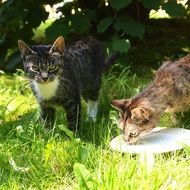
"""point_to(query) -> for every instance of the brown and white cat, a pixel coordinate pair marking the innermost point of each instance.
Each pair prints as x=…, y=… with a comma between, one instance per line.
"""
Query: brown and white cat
x=169, y=92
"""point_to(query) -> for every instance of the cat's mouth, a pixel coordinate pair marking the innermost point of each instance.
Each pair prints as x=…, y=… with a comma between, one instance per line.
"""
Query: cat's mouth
x=131, y=133
x=132, y=137
x=44, y=81
x=131, y=140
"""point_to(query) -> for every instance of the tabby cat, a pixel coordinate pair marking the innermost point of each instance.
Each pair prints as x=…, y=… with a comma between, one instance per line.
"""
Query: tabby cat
x=169, y=92
x=59, y=74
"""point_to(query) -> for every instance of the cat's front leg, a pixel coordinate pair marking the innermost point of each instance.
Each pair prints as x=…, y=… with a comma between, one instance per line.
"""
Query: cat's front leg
x=72, y=108
x=47, y=115
x=92, y=109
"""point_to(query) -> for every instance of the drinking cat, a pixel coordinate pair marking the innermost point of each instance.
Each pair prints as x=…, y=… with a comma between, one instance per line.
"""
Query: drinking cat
x=169, y=92
x=60, y=74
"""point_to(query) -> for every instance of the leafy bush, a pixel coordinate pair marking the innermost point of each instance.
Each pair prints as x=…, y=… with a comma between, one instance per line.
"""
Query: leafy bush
x=17, y=20
x=114, y=22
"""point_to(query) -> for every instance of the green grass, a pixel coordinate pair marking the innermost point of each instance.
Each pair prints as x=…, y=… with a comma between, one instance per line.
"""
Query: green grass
x=33, y=158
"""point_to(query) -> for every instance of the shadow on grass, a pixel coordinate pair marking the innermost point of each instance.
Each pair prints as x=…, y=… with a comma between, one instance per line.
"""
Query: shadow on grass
x=9, y=130
x=28, y=126
x=184, y=119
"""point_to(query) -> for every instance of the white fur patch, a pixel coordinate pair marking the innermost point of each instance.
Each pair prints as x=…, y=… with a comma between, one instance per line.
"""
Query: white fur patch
x=47, y=90
x=92, y=109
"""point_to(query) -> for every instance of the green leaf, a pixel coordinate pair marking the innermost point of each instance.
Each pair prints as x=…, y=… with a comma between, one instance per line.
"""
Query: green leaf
x=151, y=4
x=2, y=39
x=120, y=45
x=13, y=61
x=82, y=154
x=57, y=29
x=186, y=148
x=104, y=24
x=84, y=177
x=119, y=4
x=92, y=14
x=80, y=23
x=67, y=131
x=174, y=9
x=129, y=26
x=49, y=150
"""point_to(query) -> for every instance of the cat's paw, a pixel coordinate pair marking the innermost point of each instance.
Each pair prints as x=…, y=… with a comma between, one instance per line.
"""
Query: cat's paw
x=92, y=108
x=91, y=118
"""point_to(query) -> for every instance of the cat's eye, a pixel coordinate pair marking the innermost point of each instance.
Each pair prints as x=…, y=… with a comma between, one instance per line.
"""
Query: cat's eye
x=122, y=116
x=53, y=68
x=134, y=119
x=34, y=68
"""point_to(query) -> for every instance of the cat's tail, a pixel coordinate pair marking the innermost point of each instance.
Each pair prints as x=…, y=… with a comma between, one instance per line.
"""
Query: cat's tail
x=110, y=60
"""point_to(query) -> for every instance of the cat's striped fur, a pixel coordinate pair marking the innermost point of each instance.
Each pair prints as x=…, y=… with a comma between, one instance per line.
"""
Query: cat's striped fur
x=59, y=75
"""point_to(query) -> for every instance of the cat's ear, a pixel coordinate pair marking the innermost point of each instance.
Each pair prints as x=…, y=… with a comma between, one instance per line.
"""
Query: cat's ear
x=24, y=49
x=58, y=46
x=142, y=114
x=121, y=105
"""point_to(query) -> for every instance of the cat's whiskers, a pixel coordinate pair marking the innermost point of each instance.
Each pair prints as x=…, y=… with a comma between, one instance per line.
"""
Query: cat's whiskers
x=78, y=73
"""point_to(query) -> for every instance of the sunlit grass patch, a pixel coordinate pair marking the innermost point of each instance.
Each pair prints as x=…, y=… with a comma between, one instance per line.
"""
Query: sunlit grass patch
x=16, y=97
x=33, y=158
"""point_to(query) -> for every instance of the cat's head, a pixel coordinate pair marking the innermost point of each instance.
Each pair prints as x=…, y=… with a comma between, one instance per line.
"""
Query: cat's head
x=135, y=118
x=43, y=63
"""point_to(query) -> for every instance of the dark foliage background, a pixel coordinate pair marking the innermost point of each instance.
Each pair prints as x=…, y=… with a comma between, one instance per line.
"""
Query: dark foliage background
x=118, y=24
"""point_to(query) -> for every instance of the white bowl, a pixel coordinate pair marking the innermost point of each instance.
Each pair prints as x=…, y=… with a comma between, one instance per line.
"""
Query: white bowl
x=159, y=140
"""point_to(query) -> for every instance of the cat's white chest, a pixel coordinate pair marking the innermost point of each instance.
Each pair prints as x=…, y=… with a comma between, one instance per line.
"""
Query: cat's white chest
x=47, y=90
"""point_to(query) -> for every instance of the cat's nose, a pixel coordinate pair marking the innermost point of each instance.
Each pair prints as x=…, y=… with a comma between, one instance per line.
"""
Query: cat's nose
x=133, y=134
x=44, y=76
